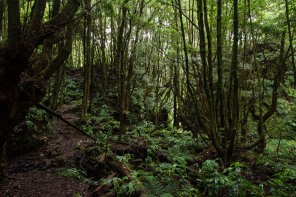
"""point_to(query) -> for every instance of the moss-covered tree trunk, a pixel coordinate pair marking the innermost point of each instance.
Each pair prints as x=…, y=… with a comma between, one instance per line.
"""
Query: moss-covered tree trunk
x=23, y=82
x=58, y=76
x=120, y=61
x=2, y=9
x=291, y=40
x=104, y=61
x=87, y=64
x=233, y=125
x=56, y=89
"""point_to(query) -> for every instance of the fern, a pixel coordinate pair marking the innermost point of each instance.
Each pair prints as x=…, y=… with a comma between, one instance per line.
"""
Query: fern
x=154, y=188
x=179, y=155
x=172, y=188
x=157, y=189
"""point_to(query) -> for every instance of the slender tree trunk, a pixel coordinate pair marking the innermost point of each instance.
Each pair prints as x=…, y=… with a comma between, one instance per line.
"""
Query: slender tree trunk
x=235, y=83
x=87, y=65
x=291, y=41
x=209, y=57
x=58, y=78
x=220, y=96
x=2, y=9
x=184, y=45
x=56, y=89
x=63, y=85
x=202, y=42
x=187, y=74
x=261, y=121
x=121, y=63
x=246, y=109
x=103, y=65
x=132, y=58
x=177, y=95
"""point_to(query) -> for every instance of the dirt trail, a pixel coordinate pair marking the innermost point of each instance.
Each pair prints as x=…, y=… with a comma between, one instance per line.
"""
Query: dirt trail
x=33, y=173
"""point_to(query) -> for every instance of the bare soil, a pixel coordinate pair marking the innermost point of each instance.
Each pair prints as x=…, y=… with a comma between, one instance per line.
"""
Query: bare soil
x=34, y=174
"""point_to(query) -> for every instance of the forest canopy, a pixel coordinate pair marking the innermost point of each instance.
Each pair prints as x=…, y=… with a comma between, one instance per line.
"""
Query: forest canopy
x=205, y=88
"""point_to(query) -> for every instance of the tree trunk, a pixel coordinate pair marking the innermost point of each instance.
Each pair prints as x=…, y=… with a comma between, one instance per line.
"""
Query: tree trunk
x=2, y=9
x=220, y=96
x=120, y=61
x=87, y=65
x=213, y=129
x=56, y=89
x=23, y=82
x=291, y=41
x=235, y=83
x=103, y=64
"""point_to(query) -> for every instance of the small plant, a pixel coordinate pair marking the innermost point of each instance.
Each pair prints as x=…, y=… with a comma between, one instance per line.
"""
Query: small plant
x=73, y=172
x=123, y=187
x=228, y=181
x=179, y=156
x=72, y=91
x=106, y=114
x=158, y=189
x=37, y=120
x=124, y=158
x=78, y=174
x=283, y=184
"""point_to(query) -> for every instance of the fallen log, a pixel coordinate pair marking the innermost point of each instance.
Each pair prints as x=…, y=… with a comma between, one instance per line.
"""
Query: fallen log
x=110, y=194
x=103, y=188
x=121, y=167
x=50, y=111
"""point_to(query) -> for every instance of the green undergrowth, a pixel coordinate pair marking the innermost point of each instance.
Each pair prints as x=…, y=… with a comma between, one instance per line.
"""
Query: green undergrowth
x=35, y=130
x=174, y=166
x=167, y=162
x=173, y=162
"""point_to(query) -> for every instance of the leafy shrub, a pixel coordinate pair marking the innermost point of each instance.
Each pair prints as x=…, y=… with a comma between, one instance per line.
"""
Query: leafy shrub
x=33, y=131
x=283, y=184
x=37, y=120
x=106, y=114
x=179, y=155
x=158, y=189
x=229, y=181
x=76, y=173
x=72, y=90
x=124, y=187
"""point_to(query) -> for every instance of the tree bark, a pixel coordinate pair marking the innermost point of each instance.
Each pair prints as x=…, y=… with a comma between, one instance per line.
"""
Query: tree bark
x=2, y=9
x=220, y=96
x=13, y=25
x=22, y=84
x=212, y=126
x=235, y=83
x=120, y=61
x=291, y=41
x=104, y=62
x=87, y=65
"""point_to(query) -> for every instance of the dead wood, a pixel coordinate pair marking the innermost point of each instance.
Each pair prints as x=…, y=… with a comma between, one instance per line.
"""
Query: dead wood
x=110, y=194
x=103, y=188
x=121, y=167
x=50, y=111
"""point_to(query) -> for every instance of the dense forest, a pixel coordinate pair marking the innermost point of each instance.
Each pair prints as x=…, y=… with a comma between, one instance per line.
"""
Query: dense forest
x=147, y=98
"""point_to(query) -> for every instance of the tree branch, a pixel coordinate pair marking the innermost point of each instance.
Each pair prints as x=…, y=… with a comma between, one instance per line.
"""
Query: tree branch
x=60, y=20
x=50, y=111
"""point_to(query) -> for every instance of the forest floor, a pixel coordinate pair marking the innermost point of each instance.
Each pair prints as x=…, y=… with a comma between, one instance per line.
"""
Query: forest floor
x=145, y=161
x=36, y=174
